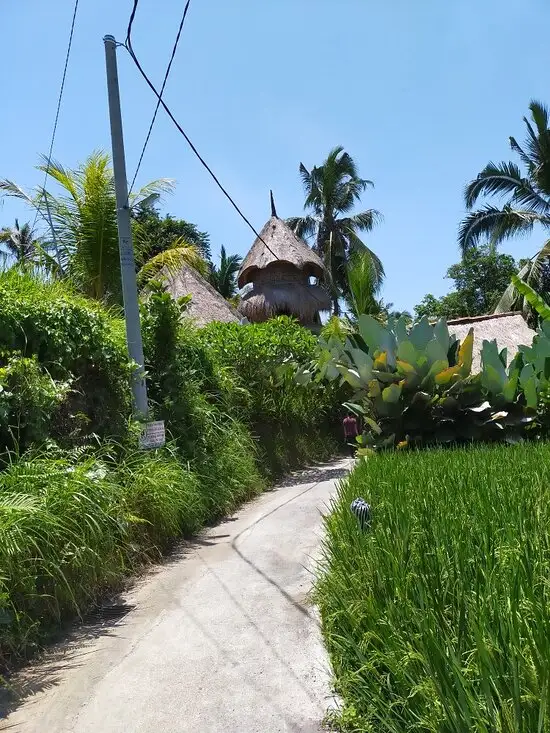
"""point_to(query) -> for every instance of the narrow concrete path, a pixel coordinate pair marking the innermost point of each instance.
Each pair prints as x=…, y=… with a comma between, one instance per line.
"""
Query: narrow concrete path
x=223, y=639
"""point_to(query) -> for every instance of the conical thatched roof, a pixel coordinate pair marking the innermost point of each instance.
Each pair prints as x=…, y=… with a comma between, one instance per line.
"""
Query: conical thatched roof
x=206, y=303
x=283, y=246
x=508, y=329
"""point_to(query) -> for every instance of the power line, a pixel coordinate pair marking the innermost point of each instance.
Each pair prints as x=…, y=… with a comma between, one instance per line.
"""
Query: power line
x=166, y=75
x=162, y=103
x=60, y=97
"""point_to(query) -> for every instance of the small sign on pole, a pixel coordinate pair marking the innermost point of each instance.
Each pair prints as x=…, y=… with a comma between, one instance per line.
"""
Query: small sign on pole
x=153, y=435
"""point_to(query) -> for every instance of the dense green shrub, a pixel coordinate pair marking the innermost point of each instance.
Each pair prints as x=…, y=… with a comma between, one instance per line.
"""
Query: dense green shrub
x=414, y=386
x=193, y=396
x=76, y=341
x=437, y=618
x=29, y=399
x=72, y=524
x=292, y=424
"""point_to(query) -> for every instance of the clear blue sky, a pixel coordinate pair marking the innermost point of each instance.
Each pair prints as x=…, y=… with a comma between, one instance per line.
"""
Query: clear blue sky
x=422, y=94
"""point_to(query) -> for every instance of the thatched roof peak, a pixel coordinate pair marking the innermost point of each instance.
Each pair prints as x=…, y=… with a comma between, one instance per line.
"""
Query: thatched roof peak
x=278, y=243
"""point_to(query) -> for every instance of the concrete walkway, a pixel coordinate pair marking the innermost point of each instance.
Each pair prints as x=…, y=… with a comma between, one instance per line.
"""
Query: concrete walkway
x=222, y=639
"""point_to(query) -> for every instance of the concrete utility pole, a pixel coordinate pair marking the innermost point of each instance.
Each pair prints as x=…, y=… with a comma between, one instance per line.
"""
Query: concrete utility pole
x=127, y=261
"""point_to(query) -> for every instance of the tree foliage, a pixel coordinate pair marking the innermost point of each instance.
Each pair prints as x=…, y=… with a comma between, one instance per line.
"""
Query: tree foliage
x=156, y=233
x=20, y=243
x=83, y=215
x=332, y=191
x=224, y=276
x=525, y=193
x=479, y=281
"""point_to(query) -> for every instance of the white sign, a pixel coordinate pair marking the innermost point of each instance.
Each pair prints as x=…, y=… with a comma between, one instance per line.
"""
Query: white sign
x=153, y=435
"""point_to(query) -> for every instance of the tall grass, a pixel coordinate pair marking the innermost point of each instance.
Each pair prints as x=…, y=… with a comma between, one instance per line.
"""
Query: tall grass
x=73, y=527
x=438, y=618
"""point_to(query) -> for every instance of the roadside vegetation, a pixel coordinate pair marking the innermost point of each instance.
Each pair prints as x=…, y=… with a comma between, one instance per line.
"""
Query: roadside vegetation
x=80, y=507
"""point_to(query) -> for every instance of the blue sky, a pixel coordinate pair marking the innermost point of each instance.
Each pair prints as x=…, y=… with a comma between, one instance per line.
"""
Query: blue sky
x=422, y=94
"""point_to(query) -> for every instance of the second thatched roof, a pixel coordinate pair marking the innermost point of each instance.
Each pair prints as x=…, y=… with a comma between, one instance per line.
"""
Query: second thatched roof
x=277, y=243
x=509, y=330
x=206, y=303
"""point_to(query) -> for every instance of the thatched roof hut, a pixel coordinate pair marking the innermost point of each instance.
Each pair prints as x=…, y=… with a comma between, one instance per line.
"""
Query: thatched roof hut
x=279, y=265
x=509, y=330
x=206, y=303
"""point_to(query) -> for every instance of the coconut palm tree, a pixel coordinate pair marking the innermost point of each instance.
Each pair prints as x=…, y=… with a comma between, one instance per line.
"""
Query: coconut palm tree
x=83, y=219
x=224, y=277
x=332, y=191
x=526, y=195
x=21, y=244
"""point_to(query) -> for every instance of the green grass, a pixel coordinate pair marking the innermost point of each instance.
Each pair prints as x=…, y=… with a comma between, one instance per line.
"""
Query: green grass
x=438, y=619
x=72, y=528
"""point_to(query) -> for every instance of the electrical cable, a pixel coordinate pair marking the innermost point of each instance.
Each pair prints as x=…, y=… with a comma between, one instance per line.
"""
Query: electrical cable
x=161, y=102
x=166, y=75
x=56, y=121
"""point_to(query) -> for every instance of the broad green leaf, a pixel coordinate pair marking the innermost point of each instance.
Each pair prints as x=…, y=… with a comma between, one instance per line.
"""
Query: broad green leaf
x=303, y=377
x=436, y=352
x=374, y=334
x=421, y=334
x=351, y=376
x=530, y=392
x=447, y=376
x=511, y=386
x=532, y=297
x=407, y=352
x=441, y=333
x=436, y=368
x=374, y=425
x=401, y=333
x=332, y=372
x=363, y=363
x=374, y=388
x=466, y=352
x=381, y=361
x=386, y=377
x=492, y=380
x=392, y=393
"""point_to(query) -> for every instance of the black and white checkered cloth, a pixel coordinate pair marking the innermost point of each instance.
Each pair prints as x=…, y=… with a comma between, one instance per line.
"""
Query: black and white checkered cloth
x=361, y=509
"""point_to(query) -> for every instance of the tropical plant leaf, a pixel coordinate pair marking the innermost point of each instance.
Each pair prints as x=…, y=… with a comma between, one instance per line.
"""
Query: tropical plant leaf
x=532, y=297
x=171, y=261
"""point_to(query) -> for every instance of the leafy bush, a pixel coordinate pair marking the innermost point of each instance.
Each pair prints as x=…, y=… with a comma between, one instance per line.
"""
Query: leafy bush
x=74, y=340
x=29, y=398
x=415, y=386
x=437, y=619
x=293, y=425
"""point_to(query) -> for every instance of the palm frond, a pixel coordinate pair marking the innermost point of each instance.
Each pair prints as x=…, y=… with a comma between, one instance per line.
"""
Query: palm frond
x=539, y=114
x=497, y=225
x=363, y=222
x=11, y=189
x=505, y=179
x=171, y=261
x=154, y=188
x=303, y=226
x=529, y=273
x=516, y=147
x=357, y=246
x=362, y=281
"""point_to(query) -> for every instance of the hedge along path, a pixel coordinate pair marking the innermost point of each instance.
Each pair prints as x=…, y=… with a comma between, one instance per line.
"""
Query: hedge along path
x=223, y=638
